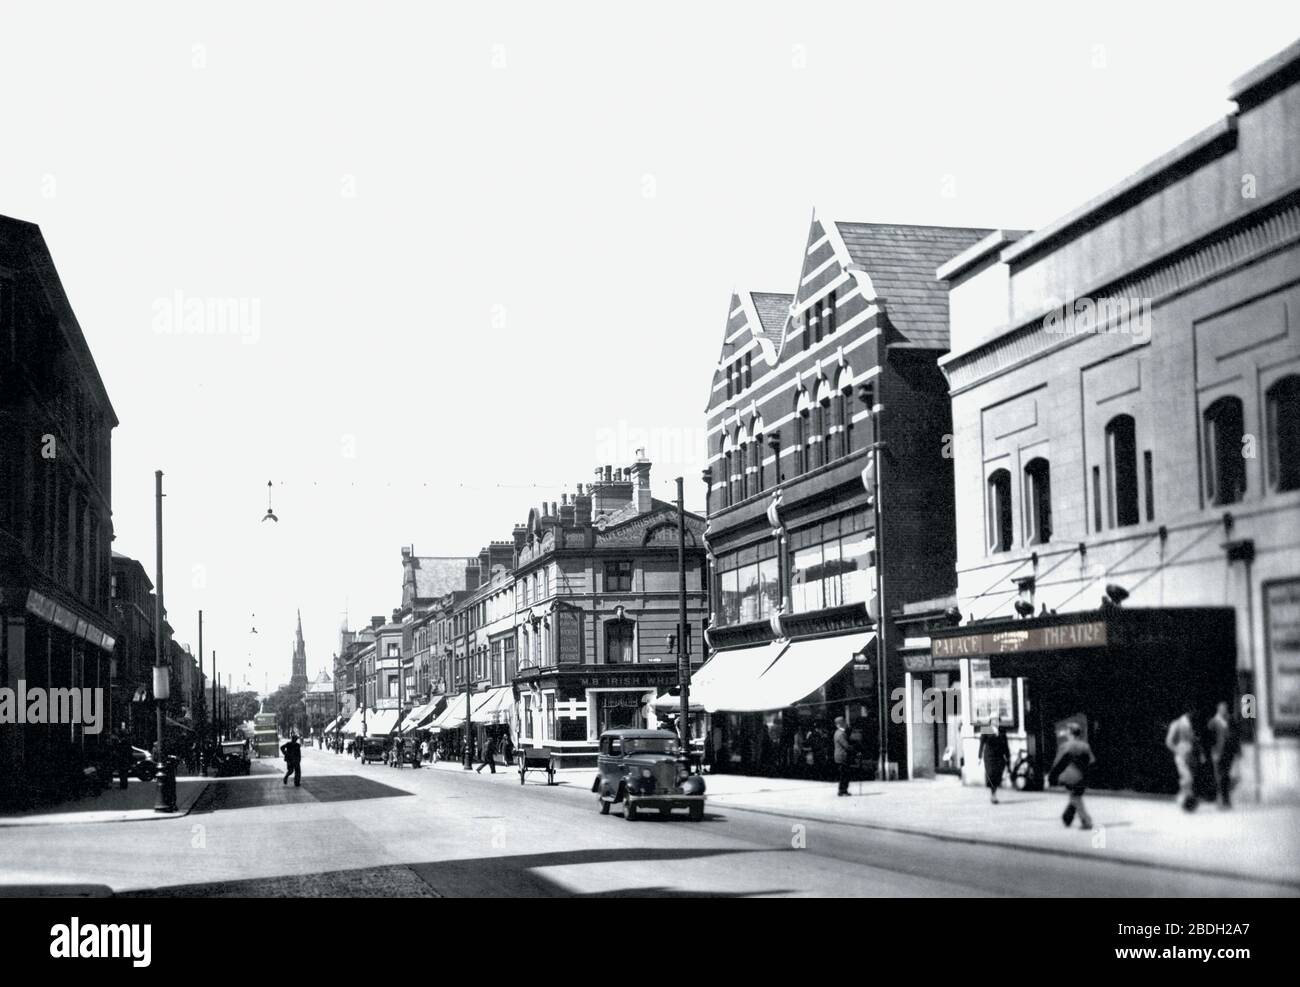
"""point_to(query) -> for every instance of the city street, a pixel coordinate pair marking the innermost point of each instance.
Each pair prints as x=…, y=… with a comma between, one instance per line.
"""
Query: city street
x=370, y=830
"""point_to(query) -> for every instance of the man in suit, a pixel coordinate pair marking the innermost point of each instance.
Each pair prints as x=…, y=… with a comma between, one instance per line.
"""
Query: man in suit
x=841, y=745
x=292, y=752
x=1222, y=752
x=1073, y=761
x=1181, y=741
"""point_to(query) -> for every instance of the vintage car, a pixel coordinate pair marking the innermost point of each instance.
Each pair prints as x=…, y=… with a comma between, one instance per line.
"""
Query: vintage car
x=646, y=769
x=232, y=758
x=374, y=749
x=143, y=766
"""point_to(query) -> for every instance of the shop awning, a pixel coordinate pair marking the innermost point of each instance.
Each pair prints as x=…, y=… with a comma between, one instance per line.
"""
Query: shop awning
x=454, y=715
x=353, y=727
x=421, y=715
x=729, y=680
x=672, y=703
x=804, y=667
x=332, y=725
x=380, y=722
x=494, y=706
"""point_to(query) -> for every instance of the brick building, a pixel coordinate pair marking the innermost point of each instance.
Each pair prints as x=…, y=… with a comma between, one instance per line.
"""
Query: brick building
x=792, y=526
x=1126, y=388
x=596, y=603
x=56, y=528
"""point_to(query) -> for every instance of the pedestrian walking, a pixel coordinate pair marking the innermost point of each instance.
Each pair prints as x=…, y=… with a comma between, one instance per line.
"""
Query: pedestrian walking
x=508, y=750
x=841, y=753
x=1223, y=751
x=399, y=750
x=995, y=753
x=1181, y=741
x=292, y=752
x=1073, y=762
x=489, y=755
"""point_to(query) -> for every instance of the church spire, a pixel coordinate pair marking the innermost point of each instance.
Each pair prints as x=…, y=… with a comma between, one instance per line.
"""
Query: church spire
x=298, y=677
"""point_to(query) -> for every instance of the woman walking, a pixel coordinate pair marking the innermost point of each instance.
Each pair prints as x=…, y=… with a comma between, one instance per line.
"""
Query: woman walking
x=995, y=753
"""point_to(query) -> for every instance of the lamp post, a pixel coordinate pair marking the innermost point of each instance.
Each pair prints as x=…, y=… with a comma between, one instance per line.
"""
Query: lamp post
x=683, y=654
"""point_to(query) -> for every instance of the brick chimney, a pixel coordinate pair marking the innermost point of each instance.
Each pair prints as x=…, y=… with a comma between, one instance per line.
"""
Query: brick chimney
x=581, y=507
x=376, y=622
x=471, y=574
x=641, y=483
x=484, y=564
x=501, y=553
x=566, y=511
x=520, y=538
x=611, y=492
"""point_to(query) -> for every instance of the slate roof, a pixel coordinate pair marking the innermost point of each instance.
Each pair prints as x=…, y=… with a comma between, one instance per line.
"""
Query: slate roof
x=901, y=261
x=773, y=310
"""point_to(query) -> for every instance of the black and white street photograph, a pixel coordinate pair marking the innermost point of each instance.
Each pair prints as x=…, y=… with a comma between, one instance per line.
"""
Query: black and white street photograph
x=605, y=450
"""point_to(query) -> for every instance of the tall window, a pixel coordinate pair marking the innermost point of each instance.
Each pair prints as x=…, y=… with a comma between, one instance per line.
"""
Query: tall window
x=749, y=372
x=1038, y=501
x=1121, y=471
x=799, y=461
x=618, y=577
x=757, y=446
x=774, y=443
x=726, y=470
x=742, y=467
x=618, y=642
x=828, y=313
x=807, y=328
x=828, y=425
x=999, y=511
x=1282, y=413
x=843, y=411
x=1225, y=466
x=805, y=428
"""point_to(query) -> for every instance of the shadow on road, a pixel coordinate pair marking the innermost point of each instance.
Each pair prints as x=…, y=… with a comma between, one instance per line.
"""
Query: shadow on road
x=254, y=792
x=480, y=877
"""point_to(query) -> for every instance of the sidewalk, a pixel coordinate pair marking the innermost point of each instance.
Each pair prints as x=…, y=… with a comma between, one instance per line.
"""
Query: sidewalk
x=133, y=804
x=1251, y=841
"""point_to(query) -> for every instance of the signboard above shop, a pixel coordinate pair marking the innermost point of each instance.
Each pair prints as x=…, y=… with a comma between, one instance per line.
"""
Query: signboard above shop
x=1016, y=640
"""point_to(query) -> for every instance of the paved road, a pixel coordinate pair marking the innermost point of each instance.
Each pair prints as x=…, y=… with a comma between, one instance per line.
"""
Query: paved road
x=357, y=829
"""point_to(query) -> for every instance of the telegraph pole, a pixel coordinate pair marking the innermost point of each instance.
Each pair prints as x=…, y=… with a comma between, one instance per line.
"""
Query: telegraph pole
x=203, y=703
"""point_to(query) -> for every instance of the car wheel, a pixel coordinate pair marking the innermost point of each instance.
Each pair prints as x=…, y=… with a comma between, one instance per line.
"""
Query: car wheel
x=604, y=807
x=629, y=811
x=697, y=811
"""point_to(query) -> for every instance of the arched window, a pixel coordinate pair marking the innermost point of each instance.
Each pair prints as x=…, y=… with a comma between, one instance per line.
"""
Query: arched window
x=844, y=409
x=1282, y=413
x=756, y=430
x=999, y=511
x=1121, y=471
x=726, y=469
x=826, y=424
x=742, y=464
x=1038, y=501
x=801, y=432
x=619, y=635
x=1225, y=467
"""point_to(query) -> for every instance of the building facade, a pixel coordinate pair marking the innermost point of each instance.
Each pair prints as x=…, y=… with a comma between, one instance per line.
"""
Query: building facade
x=56, y=528
x=596, y=611
x=825, y=405
x=1126, y=390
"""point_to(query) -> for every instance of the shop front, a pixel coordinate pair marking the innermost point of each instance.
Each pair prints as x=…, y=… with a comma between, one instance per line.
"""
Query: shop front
x=772, y=708
x=1122, y=674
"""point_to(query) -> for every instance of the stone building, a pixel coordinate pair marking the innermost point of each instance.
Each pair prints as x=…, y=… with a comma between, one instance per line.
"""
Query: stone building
x=1126, y=390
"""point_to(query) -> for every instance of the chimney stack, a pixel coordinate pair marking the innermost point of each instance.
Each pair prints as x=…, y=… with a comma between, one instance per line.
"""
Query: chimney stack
x=640, y=471
x=566, y=511
x=376, y=622
x=581, y=507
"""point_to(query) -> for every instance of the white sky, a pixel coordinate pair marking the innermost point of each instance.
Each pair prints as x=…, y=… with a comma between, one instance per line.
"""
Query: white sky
x=551, y=205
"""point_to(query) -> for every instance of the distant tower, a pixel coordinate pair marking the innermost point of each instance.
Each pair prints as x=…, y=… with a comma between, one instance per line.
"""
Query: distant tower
x=298, y=680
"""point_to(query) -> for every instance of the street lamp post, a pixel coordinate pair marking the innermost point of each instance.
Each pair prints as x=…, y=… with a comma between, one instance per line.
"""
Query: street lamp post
x=683, y=653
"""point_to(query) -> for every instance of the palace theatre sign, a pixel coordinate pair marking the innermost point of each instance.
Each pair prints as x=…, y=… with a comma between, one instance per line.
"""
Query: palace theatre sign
x=1017, y=640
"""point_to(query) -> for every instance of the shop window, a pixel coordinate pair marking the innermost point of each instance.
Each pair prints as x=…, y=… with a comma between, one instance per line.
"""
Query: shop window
x=619, y=635
x=1225, y=466
x=729, y=594
x=617, y=711
x=1038, y=501
x=1121, y=471
x=769, y=586
x=830, y=563
x=1282, y=411
x=618, y=577
x=999, y=511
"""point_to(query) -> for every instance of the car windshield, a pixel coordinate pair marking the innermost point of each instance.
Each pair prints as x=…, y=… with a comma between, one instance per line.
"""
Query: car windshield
x=649, y=745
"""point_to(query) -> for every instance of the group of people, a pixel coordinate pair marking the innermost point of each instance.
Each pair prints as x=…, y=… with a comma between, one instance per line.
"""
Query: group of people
x=1213, y=749
x=432, y=749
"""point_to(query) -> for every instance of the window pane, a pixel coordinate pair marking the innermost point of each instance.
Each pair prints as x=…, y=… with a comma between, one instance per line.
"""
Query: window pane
x=731, y=597
x=769, y=587
x=1121, y=464
x=1283, y=411
x=858, y=580
x=831, y=594
x=748, y=593
x=805, y=579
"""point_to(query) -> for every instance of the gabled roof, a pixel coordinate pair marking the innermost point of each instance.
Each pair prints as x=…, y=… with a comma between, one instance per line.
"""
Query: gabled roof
x=901, y=260
x=773, y=310
x=755, y=325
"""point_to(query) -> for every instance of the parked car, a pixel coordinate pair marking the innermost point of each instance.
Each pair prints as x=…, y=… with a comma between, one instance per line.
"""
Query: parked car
x=143, y=766
x=233, y=758
x=646, y=769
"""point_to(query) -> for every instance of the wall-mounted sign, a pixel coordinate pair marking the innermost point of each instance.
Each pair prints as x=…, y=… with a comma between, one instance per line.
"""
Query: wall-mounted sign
x=1282, y=653
x=1015, y=640
x=990, y=699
